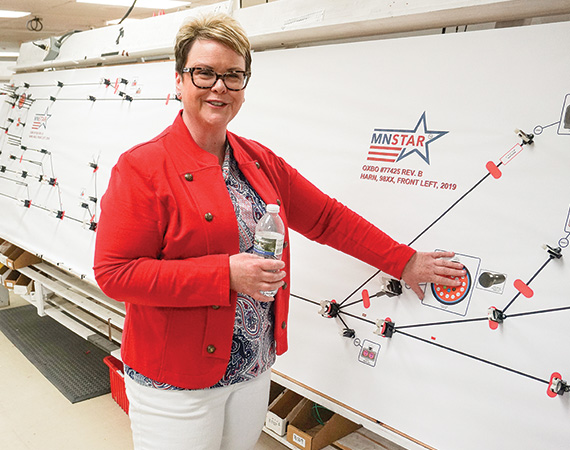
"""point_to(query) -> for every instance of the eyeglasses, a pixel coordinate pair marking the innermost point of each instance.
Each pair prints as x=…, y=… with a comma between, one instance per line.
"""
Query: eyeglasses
x=204, y=78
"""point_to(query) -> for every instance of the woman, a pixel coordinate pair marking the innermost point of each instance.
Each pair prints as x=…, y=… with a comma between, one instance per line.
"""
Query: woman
x=176, y=227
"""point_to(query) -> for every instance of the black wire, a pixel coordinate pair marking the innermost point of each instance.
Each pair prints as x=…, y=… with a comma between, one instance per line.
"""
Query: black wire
x=66, y=84
x=479, y=319
x=305, y=299
x=378, y=294
x=476, y=358
x=529, y=281
x=35, y=24
x=542, y=311
x=359, y=318
x=426, y=229
x=449, y=322
x=66, y=35
x=358, y=288
x=128, y=12
x=343, y=322
x=115, y=99
x=451, y=207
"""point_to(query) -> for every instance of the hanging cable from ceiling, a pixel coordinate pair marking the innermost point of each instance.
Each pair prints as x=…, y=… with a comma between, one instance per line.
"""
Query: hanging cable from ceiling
x=128, y=12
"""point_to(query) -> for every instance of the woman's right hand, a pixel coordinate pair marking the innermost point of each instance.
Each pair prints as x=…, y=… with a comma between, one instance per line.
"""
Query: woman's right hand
x=250, y=274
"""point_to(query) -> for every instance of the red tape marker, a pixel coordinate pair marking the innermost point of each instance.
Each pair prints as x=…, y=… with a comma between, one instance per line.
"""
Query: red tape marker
x=523, y=288
x=366, y=298
x=493, y=170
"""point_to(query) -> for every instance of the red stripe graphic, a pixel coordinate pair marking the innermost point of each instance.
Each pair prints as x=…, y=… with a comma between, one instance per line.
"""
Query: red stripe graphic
x=381, y=159
x=390, y=154
x=378, y=147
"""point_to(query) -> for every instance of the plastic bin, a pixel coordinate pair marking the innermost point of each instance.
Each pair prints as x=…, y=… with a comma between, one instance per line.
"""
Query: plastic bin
x=117, y=379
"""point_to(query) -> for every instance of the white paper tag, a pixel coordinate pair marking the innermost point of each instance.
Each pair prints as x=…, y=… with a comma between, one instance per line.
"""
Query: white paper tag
x=299, y=440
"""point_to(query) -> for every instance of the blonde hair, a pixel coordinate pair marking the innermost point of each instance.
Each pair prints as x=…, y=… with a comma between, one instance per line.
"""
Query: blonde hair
x=218, y=27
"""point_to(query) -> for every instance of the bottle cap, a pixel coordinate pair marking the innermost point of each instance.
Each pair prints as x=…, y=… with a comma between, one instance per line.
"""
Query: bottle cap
x=272, y=208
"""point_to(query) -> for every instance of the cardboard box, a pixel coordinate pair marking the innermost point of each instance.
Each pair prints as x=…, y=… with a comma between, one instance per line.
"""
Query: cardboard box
x=10, y=279
x=4, y=245
x=365, y=440
x=314, y=427
x=19, y=258
x=5, y=249
x=23, y=285
x=283, y=408
x=275, y=391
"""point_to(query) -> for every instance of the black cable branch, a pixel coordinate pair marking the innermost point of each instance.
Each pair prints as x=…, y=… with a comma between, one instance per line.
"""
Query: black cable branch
x=61, y=84
x=388, y=328
x=122, y=97
x=554, y=253
x=424, y=231
x=527, y=139
x=480, y=319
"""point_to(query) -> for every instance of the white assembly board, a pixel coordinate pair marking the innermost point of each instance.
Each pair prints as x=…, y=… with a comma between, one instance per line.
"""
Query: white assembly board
x=415, y=134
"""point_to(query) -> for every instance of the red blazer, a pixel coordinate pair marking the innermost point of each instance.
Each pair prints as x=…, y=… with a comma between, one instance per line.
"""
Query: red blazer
x=166, y=230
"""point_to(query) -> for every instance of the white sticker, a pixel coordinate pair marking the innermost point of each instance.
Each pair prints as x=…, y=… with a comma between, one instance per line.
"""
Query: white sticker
x=508, y=157
x=299, y=440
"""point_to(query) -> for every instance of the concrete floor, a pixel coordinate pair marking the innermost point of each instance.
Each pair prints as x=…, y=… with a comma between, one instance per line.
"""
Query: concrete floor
x=34, y=415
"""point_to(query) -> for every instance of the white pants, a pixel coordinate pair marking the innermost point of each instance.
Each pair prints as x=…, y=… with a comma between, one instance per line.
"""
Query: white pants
x=225, y=418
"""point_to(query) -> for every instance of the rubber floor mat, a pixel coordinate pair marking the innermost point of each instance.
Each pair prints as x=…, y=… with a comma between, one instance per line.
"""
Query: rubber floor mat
x=72, y=364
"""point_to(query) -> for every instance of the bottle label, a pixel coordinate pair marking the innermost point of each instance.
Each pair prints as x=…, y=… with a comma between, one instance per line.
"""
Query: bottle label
x=268, y=245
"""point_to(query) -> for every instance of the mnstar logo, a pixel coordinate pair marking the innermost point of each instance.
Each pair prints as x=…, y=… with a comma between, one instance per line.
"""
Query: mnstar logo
x=391, y=145
x=40, y=120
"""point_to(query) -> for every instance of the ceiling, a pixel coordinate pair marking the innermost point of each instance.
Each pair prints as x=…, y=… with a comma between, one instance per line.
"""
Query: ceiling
x=60, y=16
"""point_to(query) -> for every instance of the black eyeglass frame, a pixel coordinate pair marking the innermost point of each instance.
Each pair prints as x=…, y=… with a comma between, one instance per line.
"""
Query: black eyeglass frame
x=221, y=76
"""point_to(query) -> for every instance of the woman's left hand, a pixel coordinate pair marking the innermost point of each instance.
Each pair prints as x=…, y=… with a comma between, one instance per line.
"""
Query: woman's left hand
x=251, y=274
x=433, y=267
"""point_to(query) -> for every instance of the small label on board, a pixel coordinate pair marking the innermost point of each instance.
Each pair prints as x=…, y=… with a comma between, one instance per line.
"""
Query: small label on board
x=299, y=440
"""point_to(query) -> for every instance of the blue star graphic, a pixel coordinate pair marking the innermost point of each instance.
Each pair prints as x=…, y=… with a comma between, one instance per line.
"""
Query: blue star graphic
x=42, y=119
x=429, y=134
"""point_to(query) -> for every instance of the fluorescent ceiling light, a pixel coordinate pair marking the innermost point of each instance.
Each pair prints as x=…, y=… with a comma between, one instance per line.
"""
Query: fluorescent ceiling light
x=150, y=4
x=12, y=14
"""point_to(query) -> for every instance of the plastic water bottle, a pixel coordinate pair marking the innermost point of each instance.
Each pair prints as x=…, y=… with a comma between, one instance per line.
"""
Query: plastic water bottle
x=269, y=237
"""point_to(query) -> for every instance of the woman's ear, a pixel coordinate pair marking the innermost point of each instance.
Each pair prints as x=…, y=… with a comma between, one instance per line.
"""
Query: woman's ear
x=178, y=83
